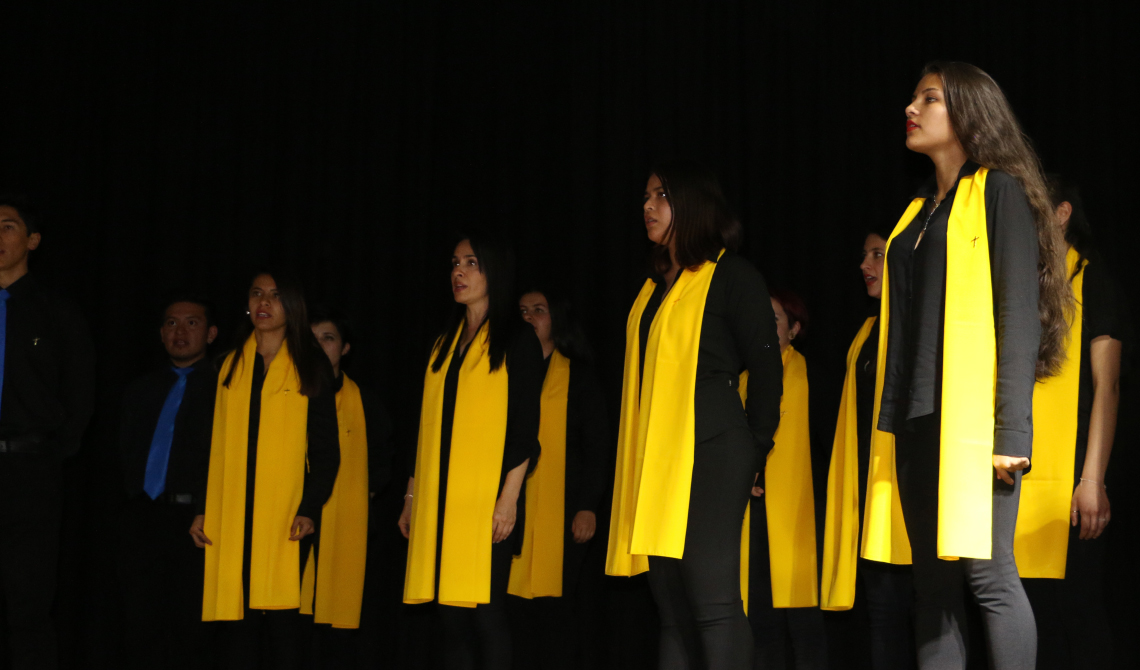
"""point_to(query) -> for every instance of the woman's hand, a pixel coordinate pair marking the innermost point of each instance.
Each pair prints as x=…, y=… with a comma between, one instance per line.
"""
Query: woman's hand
x=584, y=526
x=1090, y=502
x=1005, y=465
x=504, y=520
x=405, y=522
x=756, y=490
x=200, y=539
x=302, y=526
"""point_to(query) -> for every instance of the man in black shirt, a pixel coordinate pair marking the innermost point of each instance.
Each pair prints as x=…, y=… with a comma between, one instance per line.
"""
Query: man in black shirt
x=165, y=433
x=47, y=378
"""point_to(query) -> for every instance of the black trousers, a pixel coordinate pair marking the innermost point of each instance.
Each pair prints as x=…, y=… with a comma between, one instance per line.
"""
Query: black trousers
x=940, y=610
x=160, y=577
x=1072, y=620
x=482, y=632
x=548, y=631
x=889, y=593
x=29, y=556
x=698, y=596
x=785, y=637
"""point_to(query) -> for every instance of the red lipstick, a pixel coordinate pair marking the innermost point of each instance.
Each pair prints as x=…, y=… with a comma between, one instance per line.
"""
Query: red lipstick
x=910, y=125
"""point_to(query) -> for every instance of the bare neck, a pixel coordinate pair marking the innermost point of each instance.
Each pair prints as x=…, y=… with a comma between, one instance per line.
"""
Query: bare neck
x=476, y=314
x=187, y=362
x=269, y=343
x=13, y=274
x=947, y=165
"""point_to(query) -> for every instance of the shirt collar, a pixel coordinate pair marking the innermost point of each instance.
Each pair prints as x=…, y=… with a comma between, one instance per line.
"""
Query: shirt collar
x=21, y=286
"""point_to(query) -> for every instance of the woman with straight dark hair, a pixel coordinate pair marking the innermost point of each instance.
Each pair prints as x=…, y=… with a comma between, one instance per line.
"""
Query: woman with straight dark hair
x=464, y=508
x=1064, y=500
x=974, y=291
x=563, y=494
x=688, y=451
x=274, y=457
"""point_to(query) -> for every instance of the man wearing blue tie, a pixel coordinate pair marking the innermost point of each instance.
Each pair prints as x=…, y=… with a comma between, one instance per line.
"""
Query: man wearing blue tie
x=165, y=450
x=47, y=392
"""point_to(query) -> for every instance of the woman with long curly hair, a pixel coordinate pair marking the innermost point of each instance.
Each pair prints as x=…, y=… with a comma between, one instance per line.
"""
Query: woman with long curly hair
x=973, y=311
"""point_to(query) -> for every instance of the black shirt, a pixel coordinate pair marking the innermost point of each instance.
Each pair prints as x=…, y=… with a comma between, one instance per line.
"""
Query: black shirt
x=193, y=428
x=587, y=434
x=322, y=455
x=913, y=376
x=738, y=333
x=524, y=391
x=378, y=427
x=49, y=369
x=1102, y=313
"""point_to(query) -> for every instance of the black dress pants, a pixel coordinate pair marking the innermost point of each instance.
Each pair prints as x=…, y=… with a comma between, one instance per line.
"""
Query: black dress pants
x=698, y=596
x=160, y=574
x=940, y=609
x=548, y=632
x=1072, y=620
x=482, y=632
x=29, y=556
x=889, y=593
x=785, y=637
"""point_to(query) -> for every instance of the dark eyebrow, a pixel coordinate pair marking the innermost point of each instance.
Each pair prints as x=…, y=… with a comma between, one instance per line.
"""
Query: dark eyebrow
x=932, y=88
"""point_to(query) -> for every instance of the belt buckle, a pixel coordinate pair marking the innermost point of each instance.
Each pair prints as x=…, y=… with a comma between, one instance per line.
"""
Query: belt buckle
x=182, y=499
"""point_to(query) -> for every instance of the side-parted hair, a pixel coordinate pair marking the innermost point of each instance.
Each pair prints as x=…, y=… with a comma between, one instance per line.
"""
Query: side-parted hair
x=794, y=307
x=1078, y=233
x=702, y=222
x=342, y=323
x=497, y=263
x=25, y=208
x=565, y=329
x=991, y=136
x=309, y=359
x=194, y=299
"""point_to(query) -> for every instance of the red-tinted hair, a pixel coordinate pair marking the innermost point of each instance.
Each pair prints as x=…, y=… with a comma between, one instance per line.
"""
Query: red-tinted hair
x=794, y=307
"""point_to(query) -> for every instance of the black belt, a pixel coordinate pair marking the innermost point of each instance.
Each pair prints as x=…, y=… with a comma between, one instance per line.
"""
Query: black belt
x=171, y=498
x=22, y=445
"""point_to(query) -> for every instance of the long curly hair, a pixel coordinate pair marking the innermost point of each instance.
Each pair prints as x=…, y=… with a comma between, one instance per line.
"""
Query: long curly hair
x=991, y=135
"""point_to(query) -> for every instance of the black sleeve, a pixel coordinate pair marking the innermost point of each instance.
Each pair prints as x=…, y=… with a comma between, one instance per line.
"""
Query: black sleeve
x=1101, y=302
x=753, y=325
x=378, y=425
x=1013, y=268
x=323, y=454
x=524, y=364
x=77, y=381
x=595, y=438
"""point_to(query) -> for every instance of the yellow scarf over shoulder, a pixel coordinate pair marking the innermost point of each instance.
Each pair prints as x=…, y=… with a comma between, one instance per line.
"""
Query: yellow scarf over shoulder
x=657, y=431
x=537, y=571
x=969, y=371
x=282, y=443
x=841, y=528
x=1041, y=541
x=344, y=524
x=789, y=499
x=478, y=437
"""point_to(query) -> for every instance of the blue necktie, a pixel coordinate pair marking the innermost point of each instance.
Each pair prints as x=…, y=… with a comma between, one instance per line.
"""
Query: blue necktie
x=3, y=336
x=159, y=458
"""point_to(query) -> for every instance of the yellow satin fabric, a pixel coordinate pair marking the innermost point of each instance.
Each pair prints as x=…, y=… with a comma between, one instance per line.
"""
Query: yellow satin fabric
x=969, y=370
x=790, y=503
x=478, y=437
x=841, y=528
x=282, y=443
x=537, y=570
x=344, y=525
x=1041, y=541
x=657, y=431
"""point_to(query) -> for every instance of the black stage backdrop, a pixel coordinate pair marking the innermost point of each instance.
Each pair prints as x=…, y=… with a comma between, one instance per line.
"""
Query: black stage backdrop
x=181, y=144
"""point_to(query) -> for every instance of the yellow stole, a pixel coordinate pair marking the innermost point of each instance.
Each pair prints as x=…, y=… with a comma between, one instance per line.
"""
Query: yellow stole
x=657, y=430
x=841, y=529
x=537, y=571
x=965, y=482
x=344, y=524
x=478, y=437
x=1041, y=541
x=282, y=443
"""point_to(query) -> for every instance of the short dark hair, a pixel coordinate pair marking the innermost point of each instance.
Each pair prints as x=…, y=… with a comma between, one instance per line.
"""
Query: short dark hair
x=794, y=307
x=1078, y=233
x=343, y=324
x=192, y=298
x=25, y=208
x=702, y=222
x=565, y=330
